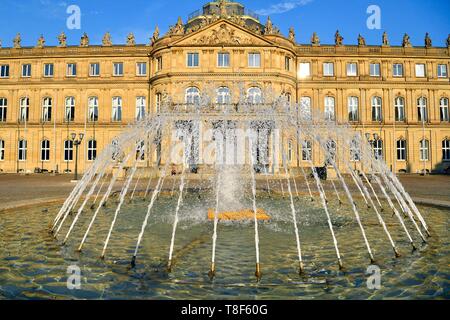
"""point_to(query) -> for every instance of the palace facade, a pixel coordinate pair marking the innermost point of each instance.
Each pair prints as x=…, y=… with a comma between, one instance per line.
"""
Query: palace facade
x=401, y=93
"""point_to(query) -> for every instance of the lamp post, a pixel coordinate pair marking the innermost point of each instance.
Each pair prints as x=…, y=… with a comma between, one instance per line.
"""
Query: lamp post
x=76, y=143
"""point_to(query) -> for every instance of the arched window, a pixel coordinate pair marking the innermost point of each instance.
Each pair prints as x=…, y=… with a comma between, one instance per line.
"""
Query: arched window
x=2, y=150
x=223, y=95
x=92, y=150
x=330, y=113
x=117, y=109
x=3, y=109
x=45, y=150
x=141, y=105
x=355, y=151
x=305, y=108
x=47, y=109
x=399, y=104
x=401, y=150
x=254, y=95
x=424, y=150
x=307, y=150
x=446, y=150
x=353, y=105
x=158, y=101
x=69, y=114
x=378, y=149
x=93, y=109
x=24, y=109
x=376, y=109
x=422, y=111
x=330, y=153
x=192, y=95
x=22, y=150
x=68, y=150
x=444, y=109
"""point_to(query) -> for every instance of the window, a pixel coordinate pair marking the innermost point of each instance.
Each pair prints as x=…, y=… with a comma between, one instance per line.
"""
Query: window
x=330, y=153
x=355, y=151
x=307, y=151
x=254, y=60
x=223, y=95
x=158, y=101
x=141, y=106
x=117, y=109
x=3, y=109
x=287, y=63
x=26, y=70
x=69, y=114
x=118, y=69
x=304, y=70
x=446, y=150
x=71, y=69
x=45, y=150
x=92, y=150
x=375, y=70
x=330, y=109
x=141, y=69
x=22, y=150
x=305, y=108
x=442, y=71
x=378, y=149
x=397, y=70
x=192, y=95
x=424, y=150
x=254, y=95
x=376, y=109
x=444, y=109
x=140, y=150
x=223, y=59
x=353, y=103
x=2, y=150
x=94, y=69
x=352, y=69
x=48, y=70
x=24, y=108
x=290, y=151
x=399, y=104
x=159, y=64
x=401, y=150
x=420, y=70
x=68, y=150
x=328, y=69
x=193, y=60
x=93, y=109
x=422, y=109
x=47, y=110
x=4, y=71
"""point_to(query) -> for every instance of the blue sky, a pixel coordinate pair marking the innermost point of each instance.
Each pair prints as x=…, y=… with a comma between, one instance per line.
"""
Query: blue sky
x=33, y=17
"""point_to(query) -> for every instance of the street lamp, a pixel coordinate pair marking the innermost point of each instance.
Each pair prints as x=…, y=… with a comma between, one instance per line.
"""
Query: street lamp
x=76, y=144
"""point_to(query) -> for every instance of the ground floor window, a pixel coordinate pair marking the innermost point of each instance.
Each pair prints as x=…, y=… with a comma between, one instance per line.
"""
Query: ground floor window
x=68, y=150
x=378, y=149
x=401, y=150
x=92, y=150
x=355, y=151
x=45, y=150
x=22, y=150
x=307, y=151
x=2, y=150
x=424, y=150
x=446, y=150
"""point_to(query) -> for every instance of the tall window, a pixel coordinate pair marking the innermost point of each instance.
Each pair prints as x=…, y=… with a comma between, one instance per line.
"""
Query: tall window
x=48, y=70
x=3, y=109
x=352, y=69
x=158, y=101
x=376, y=109
x=24, y=108
x=424, y=150
x=22, y=150
x=287, y=63
x=71, y=69
x=140, y=150
x=69, y=114
x=4, y=71
x=94, y=69
x=26, y=70
x=422, y=111
x=92, y=150
x=117, y=109
x=304, y=70
x=223, y=95
x=353, y=103
x=118, y=69
x=330, y=109
x=442, y=71
x=401, y=150
x=305, y=108
x=47, y=109
x=375, y=70
x=193, y=60
x=378, y=149
x=141, y=105
x=254, y=95
x=223, y=59
x=397, y=70
x=446, y=150
x=68, y=150
x=399, y=104
x=254, y=60
x=192, y=95
x=328, y=69
x=45, y=150
x=141, y=69
x=355, y=151
x=330, y=152
x=444, y=109
x=420, y=70
x=159, y=64
x=93, y=109
x=2, y=150
x=307, y=151
x=290, y=150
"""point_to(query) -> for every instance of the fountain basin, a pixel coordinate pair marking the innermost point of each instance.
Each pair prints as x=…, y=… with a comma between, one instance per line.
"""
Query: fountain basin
x=241, y=215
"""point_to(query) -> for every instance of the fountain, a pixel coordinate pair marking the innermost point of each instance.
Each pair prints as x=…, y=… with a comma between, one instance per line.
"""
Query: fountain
x=239, y=152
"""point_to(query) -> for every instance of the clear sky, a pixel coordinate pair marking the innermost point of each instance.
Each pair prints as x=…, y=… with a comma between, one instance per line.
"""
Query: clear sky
x=48, y=17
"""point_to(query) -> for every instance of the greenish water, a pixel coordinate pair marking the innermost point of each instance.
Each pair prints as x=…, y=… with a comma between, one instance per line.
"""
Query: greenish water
x=34, y=266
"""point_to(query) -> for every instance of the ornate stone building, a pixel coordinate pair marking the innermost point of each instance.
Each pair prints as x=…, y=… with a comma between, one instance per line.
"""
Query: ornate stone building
x=401, y=93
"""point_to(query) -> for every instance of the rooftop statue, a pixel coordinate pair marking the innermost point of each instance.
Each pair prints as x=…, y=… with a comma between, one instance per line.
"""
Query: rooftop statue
x=155, y=36
x=16, y=41
x=84, y=40
x=385, y=40
x=62, y=40
x=40, y=42
x=315, y=41
x=131, y=40
x=223, y=8
x=269, y=28
x=428, y=41
x=106, y=41
x=338, y=39
x=406, y=41
x=361, y=41
x=292, y=34
x=448, y=41
x=177, y=29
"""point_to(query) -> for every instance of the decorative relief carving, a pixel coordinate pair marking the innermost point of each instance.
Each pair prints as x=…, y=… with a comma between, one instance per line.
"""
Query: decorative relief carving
x=223, y=35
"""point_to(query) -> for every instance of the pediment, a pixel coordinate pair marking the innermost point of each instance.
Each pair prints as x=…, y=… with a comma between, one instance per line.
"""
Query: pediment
x=223, y=33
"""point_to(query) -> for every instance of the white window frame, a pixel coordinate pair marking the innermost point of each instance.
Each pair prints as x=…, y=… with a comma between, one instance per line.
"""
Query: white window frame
x=399, y=104
x=254, y=95
x=254, y=60
x=306, y=108
x=395, y=70
x=304, y=70
x=118, y=69
x=141, y=107
x=94, y=69
x=49, y=70
x=424, y=150
x=422, y=105
x=401, y=148
x=193, y=60
x=375, y=69
x=93, y=109
x=442, y=71
x=71, y=69
x=377, y=109
x=287, y=63
x=223, y=96
x=223, y=60
x=355, y=151
x=69, y=109
x=141, y=69
x=307, y=151
x=420, y=70
x=328, y=69
x=192, y=95
x=4, y=71
x=3, y=109
x=2, y=150
x=378, y=149
x=26, y=70
x=68, y=150
x=91, y=150
x=22, y=150
x=446, y=150
x=443, y=109
x=47, y=104
x=45, y=147
x=158, y=101
x=352, y=69
x=290, y=151
x=24, y=103
x=116, y=115
x=353, y=108
x=330, y=108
